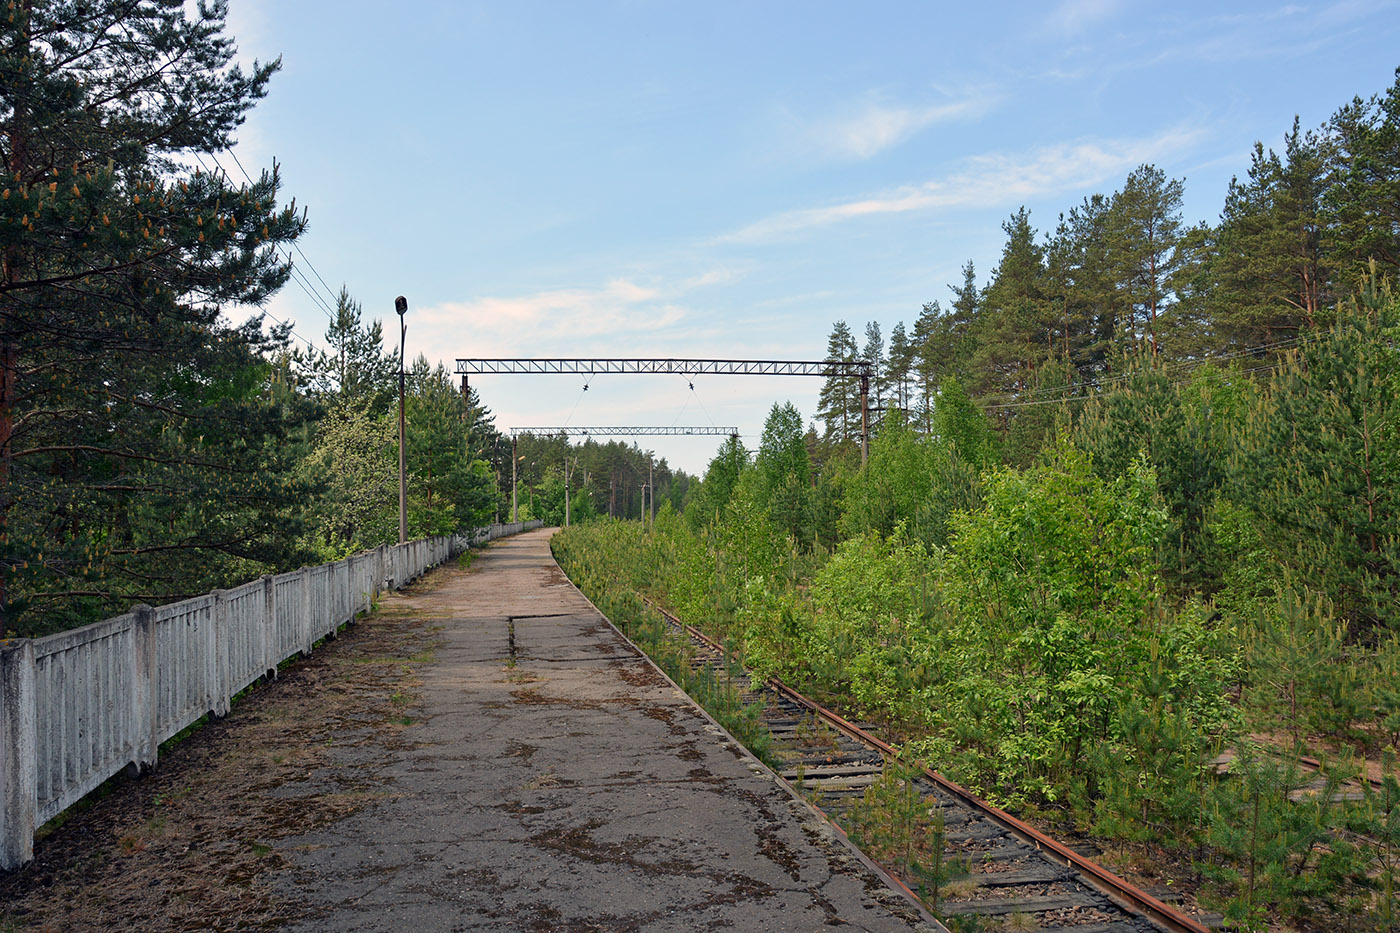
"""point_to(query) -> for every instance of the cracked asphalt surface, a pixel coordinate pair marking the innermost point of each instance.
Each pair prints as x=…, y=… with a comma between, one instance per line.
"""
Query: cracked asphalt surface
x=552, y=779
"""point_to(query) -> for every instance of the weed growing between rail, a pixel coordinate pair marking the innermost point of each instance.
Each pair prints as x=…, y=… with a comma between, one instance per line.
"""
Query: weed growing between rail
x=1036, y=660
x=901, y=830
x=673, y=653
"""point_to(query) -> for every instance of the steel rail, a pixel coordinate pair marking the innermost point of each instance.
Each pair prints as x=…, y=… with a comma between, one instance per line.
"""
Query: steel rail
x=1125, y=894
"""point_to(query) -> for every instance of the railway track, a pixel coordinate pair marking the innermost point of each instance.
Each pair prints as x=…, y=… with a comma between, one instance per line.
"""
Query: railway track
x=1005, y=875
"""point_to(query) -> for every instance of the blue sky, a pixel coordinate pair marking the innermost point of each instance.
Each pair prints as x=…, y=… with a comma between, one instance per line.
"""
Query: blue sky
x=719, y=179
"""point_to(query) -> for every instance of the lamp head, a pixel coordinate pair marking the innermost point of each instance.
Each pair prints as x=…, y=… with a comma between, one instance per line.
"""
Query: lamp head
x=401, y=305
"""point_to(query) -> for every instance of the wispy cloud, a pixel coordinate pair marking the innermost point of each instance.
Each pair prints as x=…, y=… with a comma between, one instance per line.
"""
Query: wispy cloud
x=879, y=126
x=553, y=320
x=1075, y=16
x=1289, y=32
x=984, y=181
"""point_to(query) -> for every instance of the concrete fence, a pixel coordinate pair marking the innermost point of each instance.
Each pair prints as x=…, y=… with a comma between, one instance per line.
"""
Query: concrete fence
x=80, y=706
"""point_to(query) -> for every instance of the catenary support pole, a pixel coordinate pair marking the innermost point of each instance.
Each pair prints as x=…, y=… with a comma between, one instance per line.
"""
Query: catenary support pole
x=864, y=418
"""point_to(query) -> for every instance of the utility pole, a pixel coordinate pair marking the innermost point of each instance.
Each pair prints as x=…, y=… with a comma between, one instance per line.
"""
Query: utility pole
x=496, y=462
x=401, y=306
x=514, y=506
x=651, y=489
x=566, y=492
x=864, y=417
x=468, y=413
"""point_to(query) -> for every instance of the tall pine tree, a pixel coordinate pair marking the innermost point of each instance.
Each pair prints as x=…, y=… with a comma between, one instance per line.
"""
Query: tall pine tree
x=838, y=405
x=140, y=447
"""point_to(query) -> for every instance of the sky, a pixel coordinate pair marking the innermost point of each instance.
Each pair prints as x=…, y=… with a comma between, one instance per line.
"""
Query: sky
x=628, y=178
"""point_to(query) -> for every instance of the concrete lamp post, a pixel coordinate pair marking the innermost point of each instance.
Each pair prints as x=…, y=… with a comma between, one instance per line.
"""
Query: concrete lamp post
x=401, y=306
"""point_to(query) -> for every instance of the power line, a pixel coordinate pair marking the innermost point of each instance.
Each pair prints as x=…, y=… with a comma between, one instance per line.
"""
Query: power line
x=309, y=264
x=299, y=277
x=1099, y=394
x=291, y=328
x=1108, y=381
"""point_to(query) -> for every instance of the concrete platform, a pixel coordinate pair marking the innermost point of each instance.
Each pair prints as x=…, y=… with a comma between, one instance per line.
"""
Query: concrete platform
x=553, y=779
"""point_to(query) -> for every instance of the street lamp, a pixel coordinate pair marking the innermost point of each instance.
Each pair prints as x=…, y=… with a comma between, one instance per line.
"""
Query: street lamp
x=566, y=490
x=514, y=503
x=401, y=306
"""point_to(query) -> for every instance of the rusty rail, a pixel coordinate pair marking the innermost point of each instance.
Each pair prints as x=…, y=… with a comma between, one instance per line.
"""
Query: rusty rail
x=1126, y=895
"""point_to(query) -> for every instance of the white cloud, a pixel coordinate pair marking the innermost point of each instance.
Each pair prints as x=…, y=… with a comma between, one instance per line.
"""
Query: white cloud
x=985, y=181
x=248, y=24
x=879, y=127
x=717, y=276
x=1075, y=16
x=565, y=321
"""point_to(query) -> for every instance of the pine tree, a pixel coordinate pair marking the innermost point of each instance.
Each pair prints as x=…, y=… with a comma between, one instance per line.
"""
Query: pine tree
x=721, y=478
x=873, y=355
x=1083, y=288
x=1185, y=434
x=450, y=489
x=124, y=400
x=356, y=363
x=1271, y=277
x=1011, y=329
x=1361, y=205
x=785, y=474
x=1321, y=464
x=897, y=373
x=838, y=405
x=1146, y=228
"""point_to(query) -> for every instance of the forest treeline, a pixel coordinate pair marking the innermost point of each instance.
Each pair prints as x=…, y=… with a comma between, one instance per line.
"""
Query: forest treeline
x=149, y=449
x=1126, y=551
x=1120, y=274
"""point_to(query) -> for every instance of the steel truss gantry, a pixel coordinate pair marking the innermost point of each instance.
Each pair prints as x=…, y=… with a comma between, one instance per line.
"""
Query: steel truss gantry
x=675, y=366
x=688, y=367
x=624, y=431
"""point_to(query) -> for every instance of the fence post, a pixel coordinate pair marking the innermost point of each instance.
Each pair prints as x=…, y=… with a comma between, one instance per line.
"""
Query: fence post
x=307, y=622
x=223, y=695
x=19, y=768
x=145, y=694
x=330, y=592
x=270, y=658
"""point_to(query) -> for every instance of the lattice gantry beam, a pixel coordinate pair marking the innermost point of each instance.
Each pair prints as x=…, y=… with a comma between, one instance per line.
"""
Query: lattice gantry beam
x=679, y=367
x=625, y=431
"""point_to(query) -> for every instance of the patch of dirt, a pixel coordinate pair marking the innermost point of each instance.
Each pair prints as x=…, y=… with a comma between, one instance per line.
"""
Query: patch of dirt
x=520, y=750
x=661, y=714
x=185, y=847
x=533, y=697
x=688, y=752
x=637, y=674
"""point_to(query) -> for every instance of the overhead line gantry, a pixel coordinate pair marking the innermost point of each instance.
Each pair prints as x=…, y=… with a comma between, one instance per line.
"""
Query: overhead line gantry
x=687, y=367
x=625, y=431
